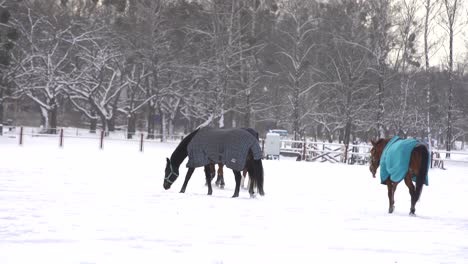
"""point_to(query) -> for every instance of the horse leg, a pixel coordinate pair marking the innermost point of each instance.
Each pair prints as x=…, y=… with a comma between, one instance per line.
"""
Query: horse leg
x=238, y=177
x=412, y=191
x=391, y=187
x=251, y=189
x=208, y=179
x=244, y=175
x=220, y=179
x=187, y=179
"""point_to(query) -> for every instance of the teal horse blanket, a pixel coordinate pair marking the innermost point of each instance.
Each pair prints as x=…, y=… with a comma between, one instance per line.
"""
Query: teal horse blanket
x=395, y=159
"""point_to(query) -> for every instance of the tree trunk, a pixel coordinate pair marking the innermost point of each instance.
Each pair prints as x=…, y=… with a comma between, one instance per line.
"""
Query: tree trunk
x=429, y=76
x=53, y=120
x=450, y=95
x=111, y=123
x=163, y=126
x=1, y=112
x=248, y=112
x=151, y=116
x=131, y=127
x=92, y=125
x=170, y=126
x=296, y=120
x=104, y=124
x=347, y=132
x=380, y=111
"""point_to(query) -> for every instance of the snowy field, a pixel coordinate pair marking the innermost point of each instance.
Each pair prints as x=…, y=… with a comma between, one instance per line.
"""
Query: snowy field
x=80, y=204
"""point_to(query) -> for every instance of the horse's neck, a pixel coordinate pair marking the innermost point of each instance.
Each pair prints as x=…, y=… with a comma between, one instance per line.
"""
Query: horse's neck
x=180, y=153
x=384, y=143
x=178, y=156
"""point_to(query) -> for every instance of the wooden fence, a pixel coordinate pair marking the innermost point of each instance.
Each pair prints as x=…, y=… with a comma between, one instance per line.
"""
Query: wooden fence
x=326, y=152
x=354, y=153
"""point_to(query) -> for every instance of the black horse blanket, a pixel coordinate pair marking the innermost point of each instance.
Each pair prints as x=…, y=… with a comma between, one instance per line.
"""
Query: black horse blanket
x=228, y=146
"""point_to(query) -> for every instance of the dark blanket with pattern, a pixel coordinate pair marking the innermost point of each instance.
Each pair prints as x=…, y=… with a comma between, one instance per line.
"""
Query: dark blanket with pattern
x=218, y=145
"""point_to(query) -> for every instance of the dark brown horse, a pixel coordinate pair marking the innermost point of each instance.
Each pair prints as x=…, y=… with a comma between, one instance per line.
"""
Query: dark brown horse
x=417, y=167
x=220, y=175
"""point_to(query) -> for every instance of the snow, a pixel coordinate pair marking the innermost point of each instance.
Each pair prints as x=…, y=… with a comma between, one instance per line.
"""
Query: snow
x=80, y=204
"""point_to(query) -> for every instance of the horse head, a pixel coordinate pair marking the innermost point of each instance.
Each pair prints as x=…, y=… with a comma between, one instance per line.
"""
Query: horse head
x=170, y=174
x=375, y=154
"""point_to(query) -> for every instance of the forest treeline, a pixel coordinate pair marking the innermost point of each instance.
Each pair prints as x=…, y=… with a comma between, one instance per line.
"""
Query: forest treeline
x=336, y=70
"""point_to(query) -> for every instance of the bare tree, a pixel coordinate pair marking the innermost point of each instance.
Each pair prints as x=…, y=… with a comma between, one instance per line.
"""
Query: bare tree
x=348, y=67
x=406, y=64
x=49, y=40
x=380, y=24
x=8, y=35
x=295, y=48
x=429, y=8
x=98, y=84
x=449, y=22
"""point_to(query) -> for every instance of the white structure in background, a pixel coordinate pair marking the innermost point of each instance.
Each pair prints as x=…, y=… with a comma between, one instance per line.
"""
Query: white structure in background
x=272, y=146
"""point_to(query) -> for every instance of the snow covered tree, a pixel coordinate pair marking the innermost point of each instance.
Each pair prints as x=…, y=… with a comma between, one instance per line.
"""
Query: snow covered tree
x=97, y=84
x=380, y=13
x=449, y=21
x=347, y=69
x=8, y=35
x=295, y=44
x=49, y=40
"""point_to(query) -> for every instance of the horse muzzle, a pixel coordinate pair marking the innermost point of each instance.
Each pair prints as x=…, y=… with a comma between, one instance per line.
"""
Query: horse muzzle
x=166, y=186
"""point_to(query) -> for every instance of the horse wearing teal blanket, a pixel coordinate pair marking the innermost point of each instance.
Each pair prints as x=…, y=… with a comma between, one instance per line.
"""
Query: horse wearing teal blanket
x=400, y=159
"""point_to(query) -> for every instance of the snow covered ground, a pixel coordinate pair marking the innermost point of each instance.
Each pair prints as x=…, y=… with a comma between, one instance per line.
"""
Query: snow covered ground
x=80, y=204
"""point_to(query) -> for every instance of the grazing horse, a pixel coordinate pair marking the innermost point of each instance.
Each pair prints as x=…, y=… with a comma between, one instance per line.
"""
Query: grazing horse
x=220, y=174
x=236, y=148
x=399, y=160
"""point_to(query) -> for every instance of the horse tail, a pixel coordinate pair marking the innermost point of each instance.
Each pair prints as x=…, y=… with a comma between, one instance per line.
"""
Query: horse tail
x=256, y=172
x=423, y=170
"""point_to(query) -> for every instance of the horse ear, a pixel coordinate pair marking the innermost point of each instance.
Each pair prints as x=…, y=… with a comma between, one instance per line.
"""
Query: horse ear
x=167, y=160
x=373, y=142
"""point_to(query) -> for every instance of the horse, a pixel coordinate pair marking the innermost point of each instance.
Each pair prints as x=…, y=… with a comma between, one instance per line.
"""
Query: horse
x=220, y=174
x=410, y=162
x=187, y=148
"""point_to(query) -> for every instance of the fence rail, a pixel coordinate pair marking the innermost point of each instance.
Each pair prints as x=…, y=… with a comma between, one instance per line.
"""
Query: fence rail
x=100, y=136
x=327, y=152
x=302, y=150
x=354, y=153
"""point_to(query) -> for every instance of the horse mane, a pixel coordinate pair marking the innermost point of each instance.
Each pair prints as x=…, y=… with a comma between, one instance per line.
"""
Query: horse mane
x=380, y=141
x=180, y=153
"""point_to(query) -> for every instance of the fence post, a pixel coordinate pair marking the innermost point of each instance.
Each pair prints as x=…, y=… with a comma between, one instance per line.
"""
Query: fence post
x=432, y=158
x=141, y=142
x=101, y=144
x=304, y=149
x=21, y=136
x=61, y=138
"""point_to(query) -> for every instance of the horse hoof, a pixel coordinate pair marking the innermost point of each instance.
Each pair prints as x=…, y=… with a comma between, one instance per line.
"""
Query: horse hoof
x=412, y=214
x=390, y=210
x=235, y=196
x=253, y=195
x=221, y=186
